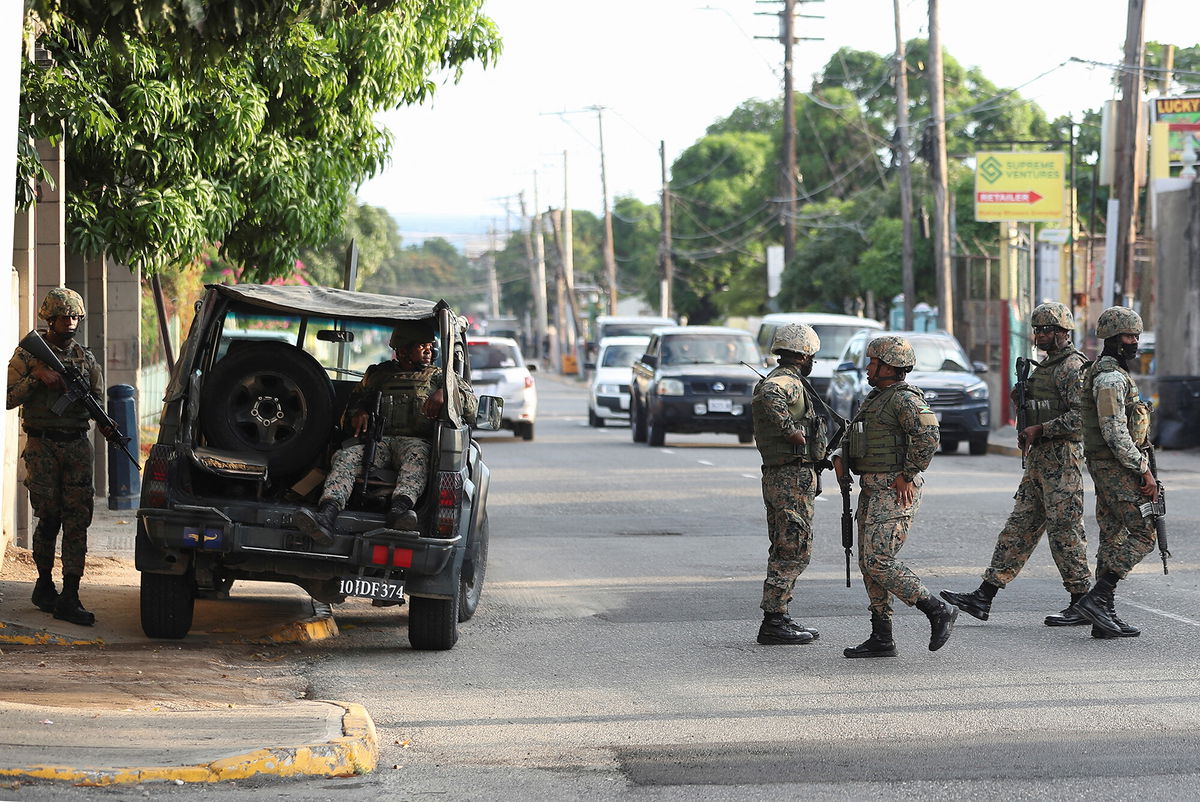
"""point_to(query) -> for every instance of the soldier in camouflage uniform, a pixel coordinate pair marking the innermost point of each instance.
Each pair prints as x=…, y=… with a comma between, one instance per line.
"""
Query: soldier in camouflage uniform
x=890, y=442
x=790, y=433
x=412, y=395
x=1050, y=496
x=1116, y=426
x=58, y=454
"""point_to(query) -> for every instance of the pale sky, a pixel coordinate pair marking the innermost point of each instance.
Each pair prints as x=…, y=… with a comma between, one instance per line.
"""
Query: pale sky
x=666, y=69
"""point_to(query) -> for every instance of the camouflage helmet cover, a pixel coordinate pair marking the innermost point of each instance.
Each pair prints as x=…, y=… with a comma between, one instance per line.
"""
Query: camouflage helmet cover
x=1118, y=320
x=60, y=301
x=411, y=332
x=799, y=338
x=892, y=350
x=1052, y=313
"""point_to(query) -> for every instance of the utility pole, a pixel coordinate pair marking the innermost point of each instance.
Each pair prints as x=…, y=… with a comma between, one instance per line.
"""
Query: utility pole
x=568, y=252
x=1128, y=171
x=535, y=248
x=610, y=259
x=667, y=263
x=493, y=282
x=906, y=200
x=941, y=205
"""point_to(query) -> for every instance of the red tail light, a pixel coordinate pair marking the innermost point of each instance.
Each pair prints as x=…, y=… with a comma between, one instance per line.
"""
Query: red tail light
x=401, y=558
x=450, y=487
x=528, y=382
x=154, y=478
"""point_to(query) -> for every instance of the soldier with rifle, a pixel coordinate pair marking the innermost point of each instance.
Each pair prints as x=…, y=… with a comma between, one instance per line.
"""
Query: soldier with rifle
x=1116, y=427
x=1050, y=495
x=413, y=390
x=790, y=430
x=59, y=393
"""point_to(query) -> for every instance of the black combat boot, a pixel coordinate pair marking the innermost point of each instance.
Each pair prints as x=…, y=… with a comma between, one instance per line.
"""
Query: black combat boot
x=68, y=607
x=45, y=596
x=402, y=516
x=787, y=619
x=880, y=644
x=1095, y=604
x=321, y=525
x=977, y=603
x=1068, y=617
x=941, y=620
x=1127, y=630
x=778, y=630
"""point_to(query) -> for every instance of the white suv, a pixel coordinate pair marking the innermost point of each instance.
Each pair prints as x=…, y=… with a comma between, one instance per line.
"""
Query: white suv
x=498, y=368
x=608, y=392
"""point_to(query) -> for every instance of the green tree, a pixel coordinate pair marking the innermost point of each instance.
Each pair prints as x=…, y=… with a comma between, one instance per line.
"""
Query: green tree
x=254, y=145
x=374, y=233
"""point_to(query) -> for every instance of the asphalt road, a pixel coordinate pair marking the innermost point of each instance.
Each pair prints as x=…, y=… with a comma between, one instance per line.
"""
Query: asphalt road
x=613, y=655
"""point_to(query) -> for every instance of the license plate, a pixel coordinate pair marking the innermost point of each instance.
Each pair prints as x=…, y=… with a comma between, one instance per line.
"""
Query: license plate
x=938, y=415
x=366, y=588
x=720, y=405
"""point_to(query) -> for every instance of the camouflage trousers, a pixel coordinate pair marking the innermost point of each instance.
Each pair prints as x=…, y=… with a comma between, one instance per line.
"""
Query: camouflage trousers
x=788, y=492
x=1049, y=499
x=1125, y=536
x=883, y=525
x=408, y=456
x=61, y=490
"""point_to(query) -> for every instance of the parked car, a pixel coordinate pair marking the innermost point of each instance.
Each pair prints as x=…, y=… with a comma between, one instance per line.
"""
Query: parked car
x=944, y=373
x=834, y=330
x=608, y=392
x=498, y=368
x=690, y=380
x=247, y=430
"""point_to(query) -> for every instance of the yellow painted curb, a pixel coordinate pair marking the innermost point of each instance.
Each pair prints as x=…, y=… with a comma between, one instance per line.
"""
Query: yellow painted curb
x=355, y=752
x=320, y=627
x=26, y=636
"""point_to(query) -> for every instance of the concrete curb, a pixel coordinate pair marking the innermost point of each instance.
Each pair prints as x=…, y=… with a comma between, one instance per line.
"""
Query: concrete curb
x=355, y=752
x=28, y=636
x=319, y=627
x=1008, y=451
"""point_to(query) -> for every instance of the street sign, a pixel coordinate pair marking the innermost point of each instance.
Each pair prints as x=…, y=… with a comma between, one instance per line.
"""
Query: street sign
x=1054, y=236
x=1020, y=186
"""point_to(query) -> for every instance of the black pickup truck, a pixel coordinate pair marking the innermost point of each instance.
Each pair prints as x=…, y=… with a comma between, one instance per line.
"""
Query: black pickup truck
x=691, y=380
x=250, y=419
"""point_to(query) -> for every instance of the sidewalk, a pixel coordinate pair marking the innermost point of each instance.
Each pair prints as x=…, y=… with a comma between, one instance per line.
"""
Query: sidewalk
x=104, y=704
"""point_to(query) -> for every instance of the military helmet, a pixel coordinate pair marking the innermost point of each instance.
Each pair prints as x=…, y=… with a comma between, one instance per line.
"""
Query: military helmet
x=892, y=350
x=411, y=332
x=1118, y=320
x=59, y=302
x=1052, y=313
x=800, y=338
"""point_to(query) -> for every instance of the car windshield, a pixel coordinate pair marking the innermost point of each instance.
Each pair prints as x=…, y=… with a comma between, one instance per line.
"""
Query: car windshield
x=621, y=356
x=833, y=340
x=492, y=356
x=368, y=345
x=709, y=349
x=629, y=329
x=938, y=353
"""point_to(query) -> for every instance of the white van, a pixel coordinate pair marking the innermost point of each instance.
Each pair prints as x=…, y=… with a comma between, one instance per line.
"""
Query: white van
x=834, y=330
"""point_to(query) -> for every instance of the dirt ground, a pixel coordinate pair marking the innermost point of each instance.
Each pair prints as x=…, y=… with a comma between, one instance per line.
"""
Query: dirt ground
x=147, y=675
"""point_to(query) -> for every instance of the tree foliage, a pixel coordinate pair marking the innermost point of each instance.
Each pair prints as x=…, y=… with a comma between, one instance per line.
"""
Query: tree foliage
x=254, y=145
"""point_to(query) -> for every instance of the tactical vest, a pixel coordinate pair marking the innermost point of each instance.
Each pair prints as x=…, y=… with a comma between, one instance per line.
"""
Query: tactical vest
x=36, y=412
x=874, y=444
x=1042, y=401
x=407, y=391
x=1137, y=414
x=773, y=446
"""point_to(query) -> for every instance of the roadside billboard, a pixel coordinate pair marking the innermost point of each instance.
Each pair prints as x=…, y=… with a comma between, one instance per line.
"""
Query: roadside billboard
x=1181, y=117
x=1015, y=186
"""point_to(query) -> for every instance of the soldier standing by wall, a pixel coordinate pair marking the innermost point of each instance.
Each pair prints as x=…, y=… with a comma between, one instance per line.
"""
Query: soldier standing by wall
x=1116, y=427
x=890, y=442
x=416, y=392
x=58, y=454
x=1050, y=496
x=790, y=434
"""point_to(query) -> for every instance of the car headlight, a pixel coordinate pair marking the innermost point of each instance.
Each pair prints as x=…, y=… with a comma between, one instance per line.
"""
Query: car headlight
x=669, y=387
x=608, y=389
x=979, y=392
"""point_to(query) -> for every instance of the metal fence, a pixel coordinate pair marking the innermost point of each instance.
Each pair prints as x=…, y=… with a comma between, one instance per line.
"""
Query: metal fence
x=152, y=385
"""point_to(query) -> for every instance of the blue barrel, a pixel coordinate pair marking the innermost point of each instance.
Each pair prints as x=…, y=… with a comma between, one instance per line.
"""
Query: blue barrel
x=124, y=481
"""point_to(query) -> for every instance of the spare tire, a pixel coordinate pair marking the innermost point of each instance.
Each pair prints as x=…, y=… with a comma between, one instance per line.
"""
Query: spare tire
x=272, y=399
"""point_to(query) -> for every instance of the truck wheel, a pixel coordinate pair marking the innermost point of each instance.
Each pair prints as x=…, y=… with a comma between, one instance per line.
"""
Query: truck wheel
x=637, y=423
x=745, y=437
x=167, y=604
x=594, y=419
x=433, y=623
x=473, y=571
x=978, y=447
x=949, y=446
x=527, y=430
x=657, y=433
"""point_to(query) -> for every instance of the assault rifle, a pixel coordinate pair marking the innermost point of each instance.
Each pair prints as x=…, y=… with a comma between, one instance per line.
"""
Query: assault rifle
x=1157, y=510
x=1022, y=403
x=847, y=524
x=78, y=389
x=371, y=437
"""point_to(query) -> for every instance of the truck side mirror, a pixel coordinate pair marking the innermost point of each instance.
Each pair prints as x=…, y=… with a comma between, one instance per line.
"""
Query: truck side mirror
x=491, y=408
